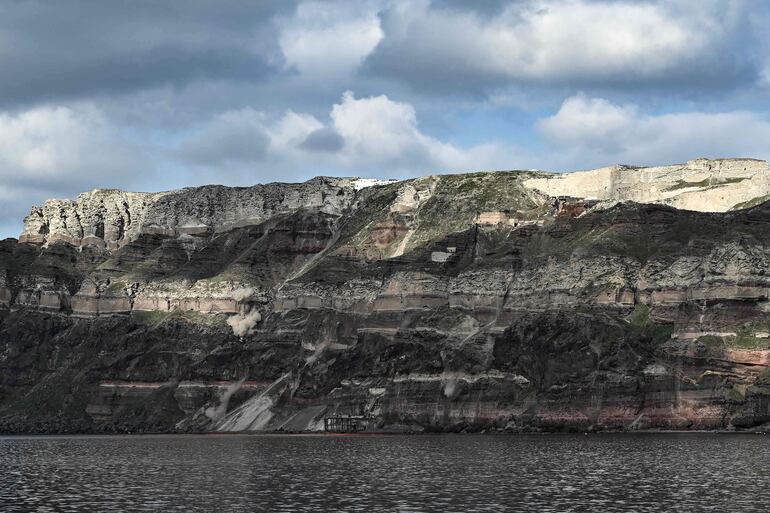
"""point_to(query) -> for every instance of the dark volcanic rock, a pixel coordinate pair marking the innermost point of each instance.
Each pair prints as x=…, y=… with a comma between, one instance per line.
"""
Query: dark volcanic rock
x=456, y=303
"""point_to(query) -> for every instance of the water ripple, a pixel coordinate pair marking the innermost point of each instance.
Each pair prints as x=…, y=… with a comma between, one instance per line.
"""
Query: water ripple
x=549, y=473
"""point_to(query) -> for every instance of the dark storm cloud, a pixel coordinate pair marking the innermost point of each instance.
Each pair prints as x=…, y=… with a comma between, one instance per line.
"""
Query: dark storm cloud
x=449, y=47
x=76, y=49
x=54, y=50
x=233, y=137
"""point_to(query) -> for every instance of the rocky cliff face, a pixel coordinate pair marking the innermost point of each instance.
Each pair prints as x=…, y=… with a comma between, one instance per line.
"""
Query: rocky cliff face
x=480, y=301
x=111, y=218
x=701, y=184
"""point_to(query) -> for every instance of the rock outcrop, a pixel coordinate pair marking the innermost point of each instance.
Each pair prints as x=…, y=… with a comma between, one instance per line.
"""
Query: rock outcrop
x=111, y=218
x=701, y=184
x=508, y=301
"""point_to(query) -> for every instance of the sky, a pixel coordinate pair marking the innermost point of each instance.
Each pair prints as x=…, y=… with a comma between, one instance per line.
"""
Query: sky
x=147, y=95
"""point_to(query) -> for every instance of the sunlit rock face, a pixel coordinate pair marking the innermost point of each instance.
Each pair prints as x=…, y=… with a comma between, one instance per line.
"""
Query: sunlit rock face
x=112, y=218
x=701, y=184
x=484, y=301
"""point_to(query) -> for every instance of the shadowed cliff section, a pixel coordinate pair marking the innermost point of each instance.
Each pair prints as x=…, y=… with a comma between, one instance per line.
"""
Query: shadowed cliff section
x=443, y=303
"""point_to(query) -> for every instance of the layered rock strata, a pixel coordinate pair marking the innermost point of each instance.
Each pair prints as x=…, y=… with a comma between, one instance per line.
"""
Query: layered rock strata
x=111, y=218
x=701, y=184
x=482, y=301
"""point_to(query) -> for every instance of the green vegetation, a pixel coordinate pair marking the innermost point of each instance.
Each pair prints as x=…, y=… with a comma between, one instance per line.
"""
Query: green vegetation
x=150, y=317
x=374, y=209
x=450, y=204
x=708, y=183
x=233, y=274
x=751, y=203
x=660, y=331
x=745, y=339
x=458, y=199
x=711, y=341
x=627, y=231
x=157, y=317
x=640, y=317
x=641, y=247
x=681, y=184
x=733, y=395
x=116, y=287
x=642, y=323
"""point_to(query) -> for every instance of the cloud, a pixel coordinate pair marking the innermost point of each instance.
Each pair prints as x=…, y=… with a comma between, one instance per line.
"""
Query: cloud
x=620, y=43
x=323, y=139
x=371, y=136
x=764, y=78
x=59, y=151
x=83, y=49
x=291, y=131
x=382, y=133
x=56, y=147
x=53, y=50
x=759, y=21
x=232, y=136
x=591, y=132
x=151, y=95
x=329, y=40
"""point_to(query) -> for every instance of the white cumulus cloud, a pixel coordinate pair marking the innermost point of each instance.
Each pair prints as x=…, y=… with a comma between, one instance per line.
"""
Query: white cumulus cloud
x=563, y=41
x=48, y=146
x=58, y=151
x=383, y=131
x=327, y=39
x=370, y=136
x=594, y=131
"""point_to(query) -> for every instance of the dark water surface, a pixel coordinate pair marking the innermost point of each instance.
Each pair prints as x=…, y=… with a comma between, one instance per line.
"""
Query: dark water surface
x=610, y=472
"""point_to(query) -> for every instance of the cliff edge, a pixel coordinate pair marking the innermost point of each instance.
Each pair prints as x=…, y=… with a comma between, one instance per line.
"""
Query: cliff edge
x=509, y=301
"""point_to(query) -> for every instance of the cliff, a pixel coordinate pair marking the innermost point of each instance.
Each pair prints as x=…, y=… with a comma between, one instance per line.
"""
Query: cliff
x=111, y=218
x=701, y=184
x=505, y=300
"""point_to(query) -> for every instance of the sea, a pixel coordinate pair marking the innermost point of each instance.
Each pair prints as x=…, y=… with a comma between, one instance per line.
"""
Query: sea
x=600, y=472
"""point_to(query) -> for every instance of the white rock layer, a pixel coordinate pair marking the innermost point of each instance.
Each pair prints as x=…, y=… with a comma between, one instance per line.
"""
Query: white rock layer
x=701, y=184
